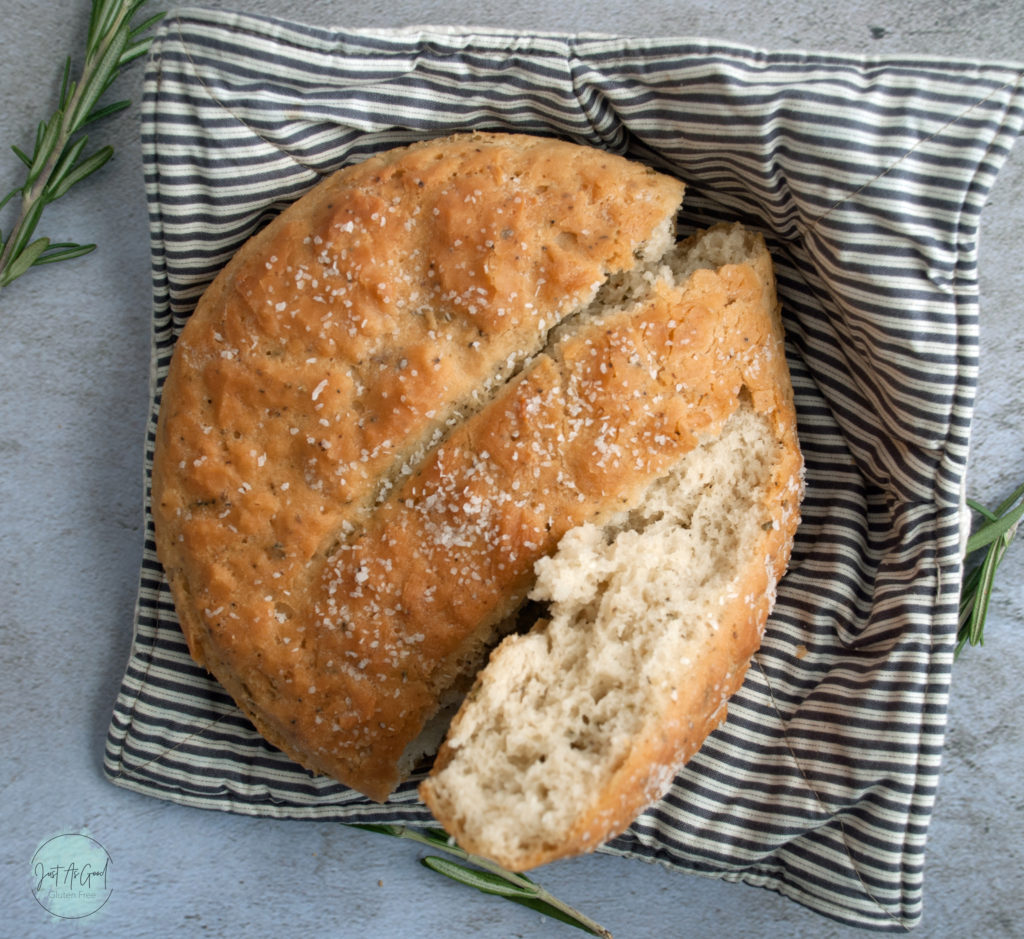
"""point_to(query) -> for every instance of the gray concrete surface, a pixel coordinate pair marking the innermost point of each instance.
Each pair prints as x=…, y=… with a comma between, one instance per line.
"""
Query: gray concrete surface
x=73, y=394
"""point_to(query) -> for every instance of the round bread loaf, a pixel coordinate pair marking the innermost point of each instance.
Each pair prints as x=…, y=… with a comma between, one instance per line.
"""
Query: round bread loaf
x=393, y=401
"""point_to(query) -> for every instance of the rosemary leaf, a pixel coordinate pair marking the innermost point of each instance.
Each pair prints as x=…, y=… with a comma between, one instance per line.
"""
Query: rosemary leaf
x=67, y=159
x=480, y=880
x=20, y=238
x=132, y=52
x=145, y=25
x=25, y=158
x=394, y=830
x=65, y=86
x=26, y=258
x=63, y=252
x=87, y=167
x=105, y=111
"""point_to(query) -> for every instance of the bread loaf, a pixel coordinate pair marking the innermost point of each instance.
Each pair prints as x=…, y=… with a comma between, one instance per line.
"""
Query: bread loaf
x=448, y=379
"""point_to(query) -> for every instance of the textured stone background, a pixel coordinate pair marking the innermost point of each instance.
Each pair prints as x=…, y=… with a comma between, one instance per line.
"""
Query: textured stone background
x=73, y=394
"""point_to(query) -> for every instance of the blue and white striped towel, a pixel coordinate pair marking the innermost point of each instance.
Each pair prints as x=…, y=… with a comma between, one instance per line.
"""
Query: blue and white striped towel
x=868, y=178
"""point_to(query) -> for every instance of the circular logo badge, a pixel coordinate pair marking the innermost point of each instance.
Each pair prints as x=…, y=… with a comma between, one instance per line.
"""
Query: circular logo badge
x=70, y=876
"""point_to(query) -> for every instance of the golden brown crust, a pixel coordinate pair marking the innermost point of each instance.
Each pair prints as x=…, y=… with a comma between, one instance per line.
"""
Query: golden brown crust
x=297, y=440
x=732, y=317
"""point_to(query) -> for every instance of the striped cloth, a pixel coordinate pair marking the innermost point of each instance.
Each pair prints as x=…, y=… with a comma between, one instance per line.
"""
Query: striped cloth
x=868, y=178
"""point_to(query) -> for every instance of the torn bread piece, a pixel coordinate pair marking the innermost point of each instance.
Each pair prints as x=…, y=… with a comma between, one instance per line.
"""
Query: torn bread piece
x=654, y=612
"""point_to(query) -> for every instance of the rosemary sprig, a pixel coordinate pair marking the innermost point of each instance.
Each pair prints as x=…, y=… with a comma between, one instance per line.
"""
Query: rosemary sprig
x=56, y=162
x=990, y=539
x=489, y=877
